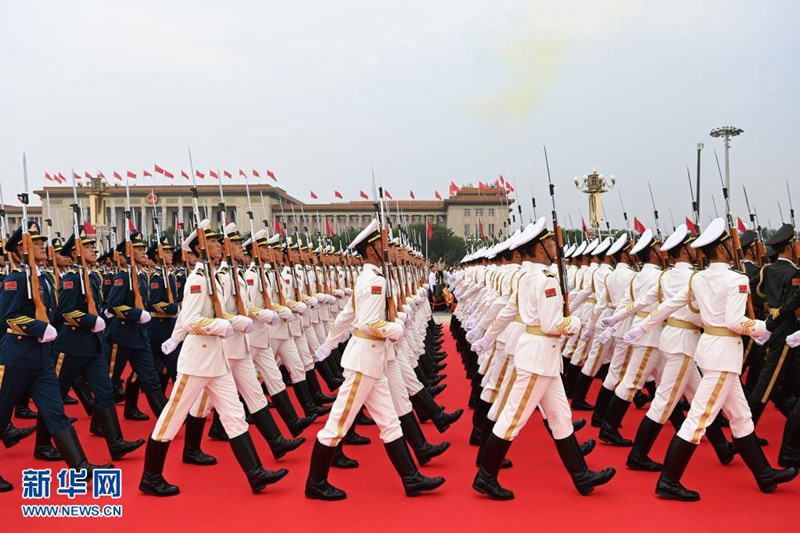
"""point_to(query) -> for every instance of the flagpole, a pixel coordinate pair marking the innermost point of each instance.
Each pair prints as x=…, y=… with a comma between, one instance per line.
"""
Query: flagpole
x=426, y=237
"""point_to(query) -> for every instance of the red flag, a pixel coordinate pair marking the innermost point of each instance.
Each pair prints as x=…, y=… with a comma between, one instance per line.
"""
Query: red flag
x=691, y=226
x=131, y=175
x=585, y=229
x=241, y=173
x=88, y=176
x=741, y=226
x=328, y=228
x=213, y=174
x=88, y=228
x=117, y=176
x=100, y=175
x=502, y=180
x=255, y=173
x=168, y=174
x=130, y=225
x=429, y=228
x=313, y=196
x=47, y=177
x=364, y=195
x=159, y=169
x=480, y=228
x=509, y=188
x=146, y=174
x=412, y=195
x=454, y=188
x=62, y=179
x=200, y=174
x=271, y=174
x=227, y=174
x=278, y=227
x=482, y=186
x=438, y=196
x=337, y=194
x=184, y=174
x=388, y=195
x=638, y=226
x=76, y=175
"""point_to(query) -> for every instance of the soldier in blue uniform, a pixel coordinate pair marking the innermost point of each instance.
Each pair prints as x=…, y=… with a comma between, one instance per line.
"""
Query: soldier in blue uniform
x=126, y=331
x=26, y=362
x=162, y=311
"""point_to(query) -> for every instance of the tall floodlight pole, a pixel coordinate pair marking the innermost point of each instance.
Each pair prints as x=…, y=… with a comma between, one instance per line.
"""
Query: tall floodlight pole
x=726, y=132
x=595, y=185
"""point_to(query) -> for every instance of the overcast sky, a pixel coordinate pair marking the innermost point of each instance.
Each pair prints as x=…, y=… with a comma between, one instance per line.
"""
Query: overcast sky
x=432, y=91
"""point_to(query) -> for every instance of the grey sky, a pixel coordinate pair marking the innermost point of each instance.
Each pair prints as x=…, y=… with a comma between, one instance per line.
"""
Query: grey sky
x=436, y=91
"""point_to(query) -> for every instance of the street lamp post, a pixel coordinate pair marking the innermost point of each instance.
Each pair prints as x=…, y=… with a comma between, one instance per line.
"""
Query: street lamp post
x=595, y=185
x=726, y=132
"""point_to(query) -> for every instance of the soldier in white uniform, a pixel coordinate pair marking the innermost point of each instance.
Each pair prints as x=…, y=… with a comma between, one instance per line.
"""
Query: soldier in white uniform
x=364, y=362
x=202, y=367
x=720, y=294
x=539, y=305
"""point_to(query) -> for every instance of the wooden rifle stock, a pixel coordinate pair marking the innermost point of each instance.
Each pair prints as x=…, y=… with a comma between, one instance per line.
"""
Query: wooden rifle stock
x=36, y=288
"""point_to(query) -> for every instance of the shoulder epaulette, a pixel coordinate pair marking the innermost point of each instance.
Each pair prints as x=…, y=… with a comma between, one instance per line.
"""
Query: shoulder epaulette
x=548, y=273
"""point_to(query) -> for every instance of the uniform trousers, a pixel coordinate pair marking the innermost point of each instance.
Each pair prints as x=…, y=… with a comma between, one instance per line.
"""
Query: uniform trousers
x=528, y=392
x=306, y=357
x=221, y=391
x=267, y=366
x=397, y=388
x=356, y=391
x=94, y=369
x=141, y=360
x=717, y=390
x=599, y=354
x=42, y=385
x=410, y=380
x=286, y=350
x=678, y=378
x=619, y=364
x=645, y=360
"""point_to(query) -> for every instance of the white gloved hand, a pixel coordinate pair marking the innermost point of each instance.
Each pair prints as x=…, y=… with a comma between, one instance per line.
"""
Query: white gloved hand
x=99, y=325
x=50, y=334
x=285, y=314
x=339, y=293
x=793, y=340
x=311, y=302
x=634, y=335
x=300, y=308
x=474, y=334
x=761, y=341
x=348, y=291
x=608, y=321
x=228, y=332
x=587, y=334
x=322, y=352
x=276, y=318
x=169, y=345
x=265, y=315
x=606, y=335
x=481, y=345
x=144, y=318
x=248, y=327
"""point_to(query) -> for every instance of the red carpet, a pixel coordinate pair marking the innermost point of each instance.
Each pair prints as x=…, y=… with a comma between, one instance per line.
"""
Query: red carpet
x=218, y=498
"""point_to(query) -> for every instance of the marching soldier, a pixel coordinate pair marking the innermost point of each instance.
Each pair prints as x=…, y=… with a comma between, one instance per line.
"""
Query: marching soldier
x=163, y=309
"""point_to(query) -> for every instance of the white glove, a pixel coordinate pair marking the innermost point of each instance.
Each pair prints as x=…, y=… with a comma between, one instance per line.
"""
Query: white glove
x=609, y=321
x=265, y=315
x=606, y=335
x=169, y=345
x=145, y=318
x=50, y=334
x=248, y=327
x=474, y=334
x=300, y=308
x=285, y=314
x=761, y=341
x=339, y=293
x=348, y=291
x=470, y=324
x=228, y=332
x=99, y=325
x=587, y=334
x=311, y=301
x=276, y=318
x=634, y=335
x=793, y=340
x=481, y=345
x=322, y=352
x=292, y=318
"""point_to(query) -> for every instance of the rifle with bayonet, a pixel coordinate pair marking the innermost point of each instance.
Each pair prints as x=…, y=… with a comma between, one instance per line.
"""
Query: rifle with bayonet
x=161, y=259
x=33, y=285
x=759, y=242
x=233, y=267
x=561, y=262
x=85, y=280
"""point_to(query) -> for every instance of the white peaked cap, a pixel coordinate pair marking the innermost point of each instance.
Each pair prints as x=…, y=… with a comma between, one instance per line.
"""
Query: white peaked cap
x=713, y=231
x=531, y=231
x=371, y=228
x=618, y=244
x=677, y=237
x=579, y=249
x=643, y=242
x=205, y=224
x=590, y=247
x=602, y=247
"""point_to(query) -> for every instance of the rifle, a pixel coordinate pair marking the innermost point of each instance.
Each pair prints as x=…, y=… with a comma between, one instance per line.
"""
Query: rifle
x=201, y=240
x=133, y=275
x=160, y=248
x=791, y=212
x=256, y=252
x=85, y=282
x=278, y=280
x=391, y=307
x=232, y=266
x=32, y=283
x=562, y=266
x=4, y=227
x=760, y=250
x=655, y=213
x=51, y=252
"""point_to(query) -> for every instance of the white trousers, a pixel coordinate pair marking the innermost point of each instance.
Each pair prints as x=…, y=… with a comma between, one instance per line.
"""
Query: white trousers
x=287, y=351
x=619, y=363
x=717, y=390
x=679, y=376
x=187, y=390
x=528, y=392
x=304, y=350
x=599, y=354
x=397, y=388
x=267, y=366
x=356, y=391
x=645, y=360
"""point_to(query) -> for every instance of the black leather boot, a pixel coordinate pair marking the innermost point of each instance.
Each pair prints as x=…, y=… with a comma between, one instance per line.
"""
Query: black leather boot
x=600, y=406
x=354, y=439
x=768, y=478
x=669, y=482
x=12, y=435
x=585, y=480
x=790, y=446
x=153, y=481
x=363, y=420
x=582, y=385
x=340, y=460
x=287, y=412
x=5, y=486
x=84, y=394
x=478, y=416
x=246, y=456
x=332, y=381
x=278, y=445
x=317, y=486
x=613, y=420
x=70, y=448
x=486, y=432
x=44, y=449
x=492, y=459
x=424, y=402
x=22, y=409
x=423, y=450
x=132, y=411
x=646, y=436
x=157, y=401
x=586, y=448
x=724, y=449
x=414, y=483
x=311, y=409
x=109, y=425
x=217, y=430
x=316, y=390
x=193, y=436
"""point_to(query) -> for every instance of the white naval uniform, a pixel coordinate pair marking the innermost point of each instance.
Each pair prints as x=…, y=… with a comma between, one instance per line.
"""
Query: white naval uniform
x=202, y=365
x=282, y=335
x=720, y=295
x=599, y=353
x=364, y=361
x=259, y=339
x=619, y=286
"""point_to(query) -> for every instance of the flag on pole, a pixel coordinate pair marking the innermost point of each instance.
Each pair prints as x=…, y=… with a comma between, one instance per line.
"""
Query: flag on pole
x=482, y=186
x=256, y=174
x=88, y=176
x=337, y=194
x=200, y=174
x=585, y=229
x=279, y=227
x=146, y=174
x=271, y=174
x=117, y=176
x=454, y=188
x=429, y=227
x=131, y=175
x=48, y=177
x=159, y=169
x=480, y=228
x=509, y=188
x=502, y=181
x=100, y=175
x=184, y=174
x=691, y=226
x=388, y=195
x=313, y=196
x=363, y=195
x=88, y=227
x=168, y=174
x=227, y=174
x=241, y=173
x=740, y=225
x=328, y=227
x=638, y=226
x=438, y=196
x=130, y=224
x=62, y=179
x=213, y=174
x=412, y=195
